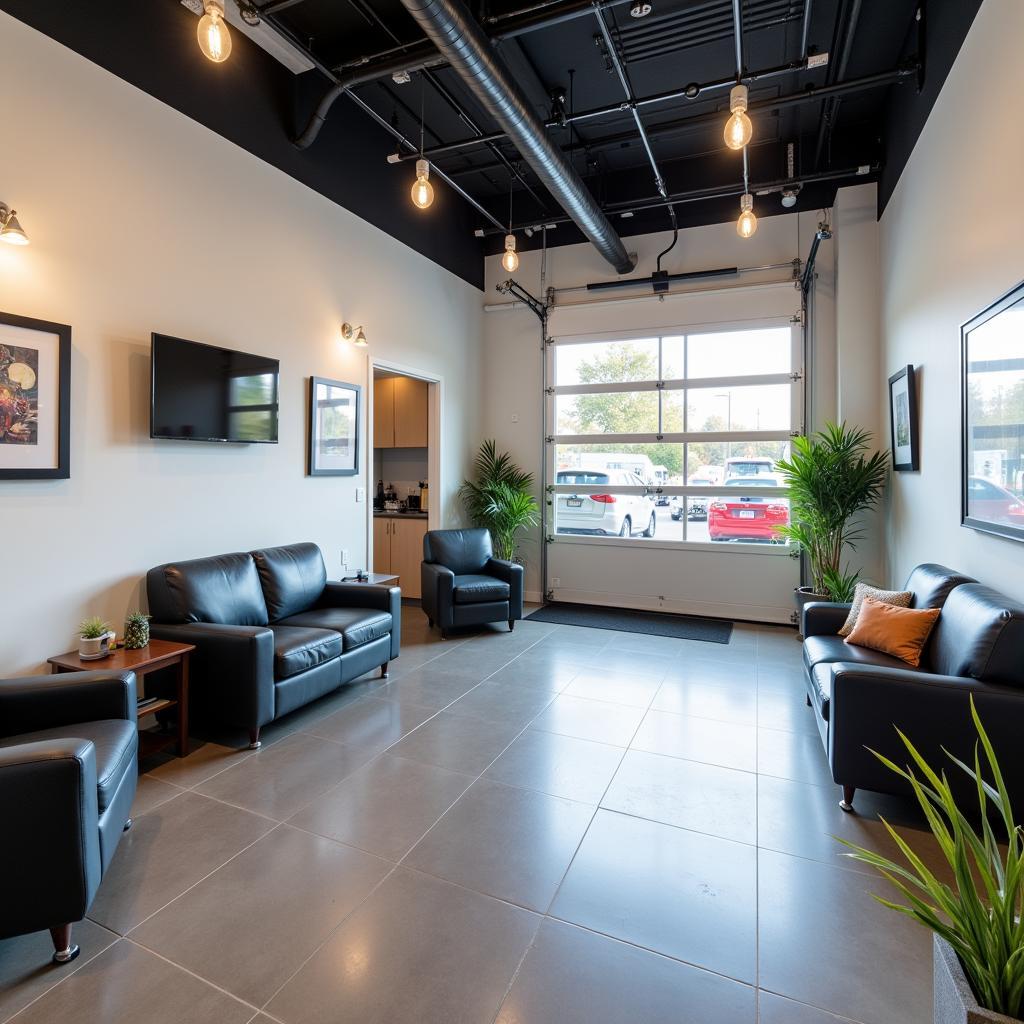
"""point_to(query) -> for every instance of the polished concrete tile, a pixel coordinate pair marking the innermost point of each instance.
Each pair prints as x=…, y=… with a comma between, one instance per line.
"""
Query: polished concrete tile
x=798, y=756
x=590, y=720
x=128, y=983
x=500, y=701
x=386, y=806
x=372, y=725
x=167, y=851
x=418, y=950
x=514, y=844
x=702, y=797
x=558, y=765
x=787, y=711
x=722, y=701
x=686, y=895
x=698, y=739
x=278, y=780
x=615, y=686
x=204, y=760
x=457, y=742
x=773, y=1009
x=307, y=886
x=536, y=670
x=430, y=687
x=824, y=941
x=572, y=976
x=150, y=793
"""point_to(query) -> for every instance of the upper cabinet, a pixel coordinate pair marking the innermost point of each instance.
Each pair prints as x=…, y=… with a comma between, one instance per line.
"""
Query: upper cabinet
x=399, y=413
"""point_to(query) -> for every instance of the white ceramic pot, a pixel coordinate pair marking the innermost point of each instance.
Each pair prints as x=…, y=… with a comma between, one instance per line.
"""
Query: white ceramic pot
x=92, y=648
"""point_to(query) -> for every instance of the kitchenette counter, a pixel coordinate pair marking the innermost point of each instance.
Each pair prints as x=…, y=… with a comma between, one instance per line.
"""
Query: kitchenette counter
x=378, y=514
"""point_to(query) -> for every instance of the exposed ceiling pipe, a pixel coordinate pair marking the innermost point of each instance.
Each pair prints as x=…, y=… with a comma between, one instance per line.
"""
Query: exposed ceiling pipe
x=830, y=109
x=737, y=23
x=459, y=37
x=805, y=31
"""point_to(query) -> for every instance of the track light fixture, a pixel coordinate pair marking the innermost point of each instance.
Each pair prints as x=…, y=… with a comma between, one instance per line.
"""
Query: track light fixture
x=738, y=129
x=354, y=334
x=11, y=231
x=213, y=34
x=747, y=223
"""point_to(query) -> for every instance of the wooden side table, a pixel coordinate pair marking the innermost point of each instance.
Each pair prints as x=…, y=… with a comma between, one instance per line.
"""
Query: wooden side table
x=377, y=579
x=158, y=654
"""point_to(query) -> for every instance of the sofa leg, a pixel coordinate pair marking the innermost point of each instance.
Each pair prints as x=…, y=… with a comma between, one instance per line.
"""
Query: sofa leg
x=511, y=624
x=807, y=697
x=63, y=949
x=444, y=634
x=847, y=802
x=384, y=670
x=128, y=824
x=430, y=623
x=254, y=739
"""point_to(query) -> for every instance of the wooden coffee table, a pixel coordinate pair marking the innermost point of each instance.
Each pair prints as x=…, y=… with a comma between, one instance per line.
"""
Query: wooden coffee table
x=158, y=654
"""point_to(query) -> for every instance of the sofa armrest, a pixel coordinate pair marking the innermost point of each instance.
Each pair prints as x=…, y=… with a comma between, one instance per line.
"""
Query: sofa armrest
x=48, y=702
x=48, y=804
x=868, y=704
x=823, y=618
x=438, y=593
x=231, y=670
x=511, y=573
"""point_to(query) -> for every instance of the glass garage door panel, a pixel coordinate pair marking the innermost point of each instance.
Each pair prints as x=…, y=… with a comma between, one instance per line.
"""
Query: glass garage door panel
x=731, y=353
x=606, y=362
x=624, y=412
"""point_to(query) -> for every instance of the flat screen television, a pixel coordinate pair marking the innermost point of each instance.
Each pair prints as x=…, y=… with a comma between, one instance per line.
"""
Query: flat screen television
x=204, y=393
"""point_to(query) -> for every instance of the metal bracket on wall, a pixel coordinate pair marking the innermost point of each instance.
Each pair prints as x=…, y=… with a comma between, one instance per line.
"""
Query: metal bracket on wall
x=550, y=439
x=513, y=288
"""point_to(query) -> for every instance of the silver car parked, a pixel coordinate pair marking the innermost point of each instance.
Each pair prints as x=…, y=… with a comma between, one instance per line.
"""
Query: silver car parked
x=611, y=514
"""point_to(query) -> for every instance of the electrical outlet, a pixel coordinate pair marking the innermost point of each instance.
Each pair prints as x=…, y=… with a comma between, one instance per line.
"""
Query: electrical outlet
x=515, y=417
x=344, y=558
x=360, y=494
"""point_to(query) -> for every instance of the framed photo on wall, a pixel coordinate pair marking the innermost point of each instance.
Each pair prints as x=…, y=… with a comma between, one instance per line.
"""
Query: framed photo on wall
x=903, y=420
x=992, y=416
x=333, y=427
x=35, y=399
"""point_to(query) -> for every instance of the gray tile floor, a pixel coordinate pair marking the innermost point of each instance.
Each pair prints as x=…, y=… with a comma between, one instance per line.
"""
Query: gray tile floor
x=558, y=825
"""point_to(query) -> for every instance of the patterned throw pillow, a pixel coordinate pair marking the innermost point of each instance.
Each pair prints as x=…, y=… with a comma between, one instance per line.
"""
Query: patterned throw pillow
x=899, y=598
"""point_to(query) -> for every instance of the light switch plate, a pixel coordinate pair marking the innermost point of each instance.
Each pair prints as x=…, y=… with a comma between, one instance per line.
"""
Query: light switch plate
x=360, y=494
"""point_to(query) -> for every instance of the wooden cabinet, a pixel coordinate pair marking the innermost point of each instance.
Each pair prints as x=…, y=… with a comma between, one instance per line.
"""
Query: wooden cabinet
x=400, y=412
x=398, y=549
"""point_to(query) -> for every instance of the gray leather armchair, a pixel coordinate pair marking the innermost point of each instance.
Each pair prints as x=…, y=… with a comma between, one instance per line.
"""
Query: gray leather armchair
x=463, y=584
x=68, y=771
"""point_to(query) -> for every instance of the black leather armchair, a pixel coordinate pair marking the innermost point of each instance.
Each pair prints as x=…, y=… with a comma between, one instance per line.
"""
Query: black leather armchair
x=860, y=697
x=463, y=584
x=68, y=771
x=271, y=633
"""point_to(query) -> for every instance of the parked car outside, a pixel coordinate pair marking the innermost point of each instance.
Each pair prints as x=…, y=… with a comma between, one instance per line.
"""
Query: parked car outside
x=987, y=500
x=748, y=465
x=605, y=514
x=748, y=517
x=696, y=509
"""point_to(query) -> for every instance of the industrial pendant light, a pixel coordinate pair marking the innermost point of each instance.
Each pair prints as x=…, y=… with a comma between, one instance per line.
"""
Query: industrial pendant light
x=214, y=37
x=422, y=191
x=510, y=260
x=738, y=129
x=11, y=231
x=747, y=223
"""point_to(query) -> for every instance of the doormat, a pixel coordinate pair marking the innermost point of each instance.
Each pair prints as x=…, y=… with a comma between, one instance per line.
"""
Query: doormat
x=627, y=620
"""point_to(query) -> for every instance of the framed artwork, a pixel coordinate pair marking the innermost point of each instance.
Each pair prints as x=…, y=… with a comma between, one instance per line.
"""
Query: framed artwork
x=903, y=420
x=333, y=427
x=35, y=399
x=992, y=418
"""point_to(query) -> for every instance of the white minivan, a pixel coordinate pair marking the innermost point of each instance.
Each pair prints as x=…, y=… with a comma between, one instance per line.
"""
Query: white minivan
x=607, y=514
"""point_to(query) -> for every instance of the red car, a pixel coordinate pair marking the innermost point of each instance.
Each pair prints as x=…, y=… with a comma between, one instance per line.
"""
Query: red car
x=992, y=503
x=748, y=517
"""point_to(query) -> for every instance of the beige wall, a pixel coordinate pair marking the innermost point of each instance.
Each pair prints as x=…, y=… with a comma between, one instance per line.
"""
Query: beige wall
x=142, y=220
x=950, y=245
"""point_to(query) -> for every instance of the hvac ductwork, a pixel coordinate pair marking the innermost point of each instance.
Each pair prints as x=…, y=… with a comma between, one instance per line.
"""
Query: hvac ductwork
x=468, y=50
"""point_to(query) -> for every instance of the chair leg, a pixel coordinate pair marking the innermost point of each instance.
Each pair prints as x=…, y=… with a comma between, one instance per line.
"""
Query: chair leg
x=807, y=697
x=511, y=624
x=128, y=824
x=430, y=623
x=63, y=949
x=254, y=739
x=384, y=670
x=444, y=634
x=847, y=802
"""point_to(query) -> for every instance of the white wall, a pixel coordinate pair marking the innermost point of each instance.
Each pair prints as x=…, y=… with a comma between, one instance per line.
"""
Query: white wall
x=950, y=245
x=143, y=220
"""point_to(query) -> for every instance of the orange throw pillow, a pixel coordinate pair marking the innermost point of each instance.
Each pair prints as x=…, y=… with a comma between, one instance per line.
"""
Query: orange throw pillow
x=901, y=632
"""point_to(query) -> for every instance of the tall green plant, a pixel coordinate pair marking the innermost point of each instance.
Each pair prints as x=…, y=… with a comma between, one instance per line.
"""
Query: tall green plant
x=831, y=480
x=980, y=915
x=500, y=499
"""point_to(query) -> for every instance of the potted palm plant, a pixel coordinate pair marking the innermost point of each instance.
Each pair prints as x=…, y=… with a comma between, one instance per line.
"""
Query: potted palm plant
x=976, y=923
x=832, y=480
x=500, y=499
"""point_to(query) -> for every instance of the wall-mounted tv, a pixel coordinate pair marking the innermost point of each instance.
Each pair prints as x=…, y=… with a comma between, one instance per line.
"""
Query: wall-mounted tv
x=204, y=393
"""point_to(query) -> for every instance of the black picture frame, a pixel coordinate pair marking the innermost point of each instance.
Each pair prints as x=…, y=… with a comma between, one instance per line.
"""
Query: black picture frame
x=61, y=427
x=321, y=462
x=992, y=477
x=903, y=425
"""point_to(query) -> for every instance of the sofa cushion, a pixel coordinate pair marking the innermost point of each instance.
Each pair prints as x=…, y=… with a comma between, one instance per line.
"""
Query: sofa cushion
x=820, y=650
x=357, y=626
x=462, y=551
x=931, y=584
x=821, y=688
x=223, y=589
x=472, y=588
x=293, y=578
x=116, y=742
x=901, y=632
x=900, y=598
x=298, y=648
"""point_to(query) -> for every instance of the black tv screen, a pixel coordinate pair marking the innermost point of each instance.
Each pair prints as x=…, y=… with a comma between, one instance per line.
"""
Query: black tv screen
x=204, y=393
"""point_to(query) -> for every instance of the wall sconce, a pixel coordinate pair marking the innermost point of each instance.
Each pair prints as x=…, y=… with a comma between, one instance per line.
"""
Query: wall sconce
x=11, y=231
x=354, y=334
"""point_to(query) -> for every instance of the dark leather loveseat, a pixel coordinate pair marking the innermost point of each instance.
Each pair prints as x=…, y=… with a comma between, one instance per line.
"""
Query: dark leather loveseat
x=861, y=696
x=271, y=633
x=68, y=770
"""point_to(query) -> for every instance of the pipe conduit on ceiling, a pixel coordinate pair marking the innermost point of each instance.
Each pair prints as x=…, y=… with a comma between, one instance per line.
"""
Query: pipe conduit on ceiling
x=468, y=50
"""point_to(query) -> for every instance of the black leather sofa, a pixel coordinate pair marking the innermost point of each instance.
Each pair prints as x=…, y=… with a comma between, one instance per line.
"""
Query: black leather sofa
x=860, y=697
x=271, y=633
x=68, y=770
x=463, y=584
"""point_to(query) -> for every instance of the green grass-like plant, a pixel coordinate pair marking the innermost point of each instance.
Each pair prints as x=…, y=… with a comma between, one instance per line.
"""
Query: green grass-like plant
x=980, y=915
x=93, y=628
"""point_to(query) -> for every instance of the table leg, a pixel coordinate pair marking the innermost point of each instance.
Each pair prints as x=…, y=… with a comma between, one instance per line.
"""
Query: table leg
x=183, y=706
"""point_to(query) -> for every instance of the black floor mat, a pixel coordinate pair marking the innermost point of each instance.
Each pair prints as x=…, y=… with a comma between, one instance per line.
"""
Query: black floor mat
x=684, y=627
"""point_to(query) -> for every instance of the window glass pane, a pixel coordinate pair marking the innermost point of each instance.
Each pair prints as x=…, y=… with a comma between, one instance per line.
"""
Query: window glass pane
x=607, y=362
x=719, y=461
x=767, y=407
x=673, y=358
x=612, y=413
x=607, y=514
x=740, y=515
x=651, y=464
x=735, y=353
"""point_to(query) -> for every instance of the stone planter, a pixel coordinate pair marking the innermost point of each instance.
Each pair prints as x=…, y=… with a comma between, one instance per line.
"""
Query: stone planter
x=954, y=997
x=802, y=596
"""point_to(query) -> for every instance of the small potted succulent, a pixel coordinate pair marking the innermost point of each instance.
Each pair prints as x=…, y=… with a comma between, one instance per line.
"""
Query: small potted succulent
x=136, y=631
x=976, y=921
x=94, y=636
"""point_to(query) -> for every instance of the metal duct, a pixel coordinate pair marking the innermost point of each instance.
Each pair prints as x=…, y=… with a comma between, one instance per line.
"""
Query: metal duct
x=468, y=50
